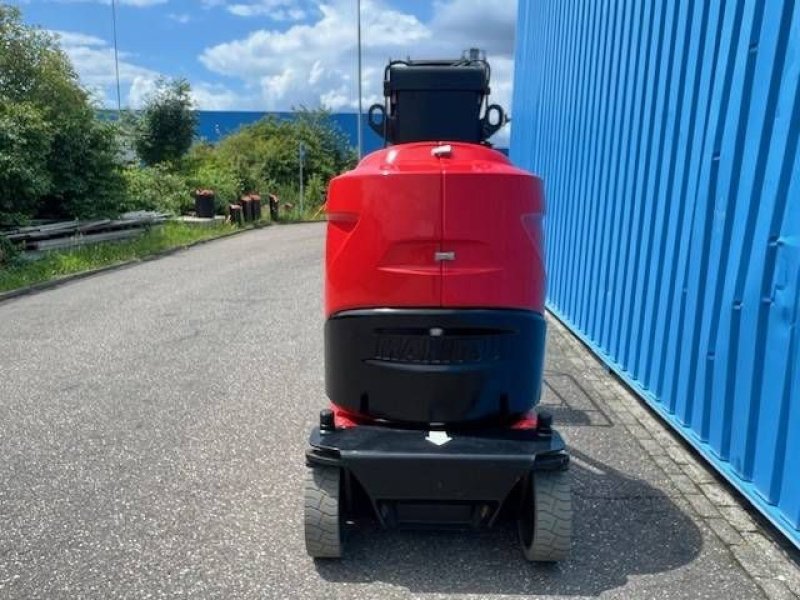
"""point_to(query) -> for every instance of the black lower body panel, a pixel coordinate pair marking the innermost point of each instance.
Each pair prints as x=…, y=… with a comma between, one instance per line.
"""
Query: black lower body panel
x=440, y=366
x=412, y=481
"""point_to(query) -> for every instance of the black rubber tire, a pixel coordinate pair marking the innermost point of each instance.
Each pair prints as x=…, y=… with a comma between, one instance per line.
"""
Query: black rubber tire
x=545, y=522
x=323, y=519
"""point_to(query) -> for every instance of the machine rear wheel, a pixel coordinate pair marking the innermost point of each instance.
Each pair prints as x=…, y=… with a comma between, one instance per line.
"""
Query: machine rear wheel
x=545, y=521
x=323, y=518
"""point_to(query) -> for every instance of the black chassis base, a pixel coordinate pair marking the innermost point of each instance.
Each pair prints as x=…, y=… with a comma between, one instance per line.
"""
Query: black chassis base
x=405, y=479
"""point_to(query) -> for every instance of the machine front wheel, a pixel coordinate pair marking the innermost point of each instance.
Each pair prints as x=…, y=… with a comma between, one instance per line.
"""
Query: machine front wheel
x=323, y=518
x=545, y=520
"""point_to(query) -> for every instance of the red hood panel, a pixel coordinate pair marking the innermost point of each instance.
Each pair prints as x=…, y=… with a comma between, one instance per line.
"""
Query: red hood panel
x=459, y=227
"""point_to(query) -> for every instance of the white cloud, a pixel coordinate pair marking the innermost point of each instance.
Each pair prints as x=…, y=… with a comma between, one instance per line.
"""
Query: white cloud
x=74, y=38
x=489, y=25
x=93, y=59
x=181, y=18
x=208, y=96
x=317, y=71
x=310, y=63
x=140, y=2
x=264, y=10
x=137, y=3
x=315, y=63
x=275, y=10
x=142, y=87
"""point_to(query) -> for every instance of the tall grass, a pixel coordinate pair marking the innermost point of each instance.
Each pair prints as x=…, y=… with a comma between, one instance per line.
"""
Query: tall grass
x=59, y=263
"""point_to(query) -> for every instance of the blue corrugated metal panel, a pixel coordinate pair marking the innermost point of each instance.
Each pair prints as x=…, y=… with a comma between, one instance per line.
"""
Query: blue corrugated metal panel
x=667, y=134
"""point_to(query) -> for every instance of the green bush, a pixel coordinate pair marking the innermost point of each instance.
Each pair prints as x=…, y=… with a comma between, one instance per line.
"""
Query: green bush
x=314, y=193
x=156, y=188
x=265, y=155
x=223, y=180
x=9, y=252
x=25, y=140
x=199, y=155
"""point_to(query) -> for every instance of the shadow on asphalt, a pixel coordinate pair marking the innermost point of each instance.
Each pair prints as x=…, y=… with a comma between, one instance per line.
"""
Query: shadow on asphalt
x=623, y=527
x=561, y=392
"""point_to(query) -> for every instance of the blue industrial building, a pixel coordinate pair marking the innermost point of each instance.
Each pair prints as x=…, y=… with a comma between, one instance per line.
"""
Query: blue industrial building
x=667, y=135
x=214, y=125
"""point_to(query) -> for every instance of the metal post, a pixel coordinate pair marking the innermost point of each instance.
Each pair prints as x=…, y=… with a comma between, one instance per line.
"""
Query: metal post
x=302, y=152
x=116, y=53
x=360, y=108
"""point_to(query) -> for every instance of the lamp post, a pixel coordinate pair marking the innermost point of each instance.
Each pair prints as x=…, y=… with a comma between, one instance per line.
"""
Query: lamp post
x=116, y=54
x=360, y=108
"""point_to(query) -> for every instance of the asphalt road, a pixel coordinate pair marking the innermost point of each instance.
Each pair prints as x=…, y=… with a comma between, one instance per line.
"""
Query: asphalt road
x=154, y=420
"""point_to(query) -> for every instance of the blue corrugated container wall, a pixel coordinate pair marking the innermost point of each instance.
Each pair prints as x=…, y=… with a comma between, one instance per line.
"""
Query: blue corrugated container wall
x=667, y=135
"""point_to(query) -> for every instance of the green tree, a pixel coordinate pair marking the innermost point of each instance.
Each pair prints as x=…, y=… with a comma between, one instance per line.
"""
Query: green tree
x=59, y=159
x=34, y=69
x=167, y=125
x=85, y=166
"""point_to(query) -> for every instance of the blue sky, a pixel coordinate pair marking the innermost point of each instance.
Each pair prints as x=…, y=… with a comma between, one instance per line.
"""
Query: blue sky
x=270, y=54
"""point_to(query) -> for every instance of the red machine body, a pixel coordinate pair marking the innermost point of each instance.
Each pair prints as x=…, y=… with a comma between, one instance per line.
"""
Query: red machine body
x=435, y=330
x=435, y=287
x=417, y=226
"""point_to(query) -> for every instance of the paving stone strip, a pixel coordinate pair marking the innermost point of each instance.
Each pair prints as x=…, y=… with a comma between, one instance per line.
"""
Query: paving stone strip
x=772, y=566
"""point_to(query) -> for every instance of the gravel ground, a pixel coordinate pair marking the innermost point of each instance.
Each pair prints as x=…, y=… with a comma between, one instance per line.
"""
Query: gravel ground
x=153, y=424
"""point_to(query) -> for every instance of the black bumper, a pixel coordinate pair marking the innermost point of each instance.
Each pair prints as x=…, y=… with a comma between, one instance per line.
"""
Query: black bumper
x=440, y=366
x=410, y=480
